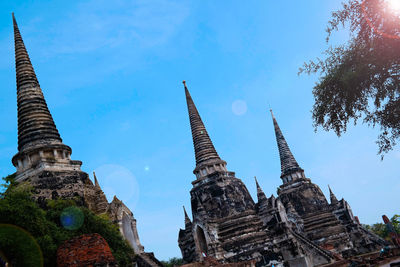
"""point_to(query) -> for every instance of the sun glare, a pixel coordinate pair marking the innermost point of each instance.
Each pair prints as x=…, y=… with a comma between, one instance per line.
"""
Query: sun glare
x=394, y=5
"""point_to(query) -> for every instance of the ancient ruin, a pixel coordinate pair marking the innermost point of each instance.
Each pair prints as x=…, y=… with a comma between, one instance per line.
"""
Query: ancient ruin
x=298, y=227
x=85, y=250
x=45, y=162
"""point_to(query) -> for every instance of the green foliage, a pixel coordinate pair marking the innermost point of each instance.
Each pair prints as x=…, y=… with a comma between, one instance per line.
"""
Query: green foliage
x=172, y=262
x=396, y=222
x=17, y=208
x=16, y=240
x=381, y=229
x=9, y=181
x=360, y=80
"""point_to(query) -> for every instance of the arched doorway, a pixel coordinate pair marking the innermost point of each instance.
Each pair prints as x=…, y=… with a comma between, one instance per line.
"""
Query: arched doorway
x=201, y=238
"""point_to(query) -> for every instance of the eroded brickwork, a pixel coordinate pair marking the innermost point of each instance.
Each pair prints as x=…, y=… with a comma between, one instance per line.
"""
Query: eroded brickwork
x=85, y=250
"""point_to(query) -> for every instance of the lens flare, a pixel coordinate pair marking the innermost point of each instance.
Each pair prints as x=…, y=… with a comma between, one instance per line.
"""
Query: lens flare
x=394, y=5
x=72, y=218
x=239, y=107
x=127, y=188
x=390, y=3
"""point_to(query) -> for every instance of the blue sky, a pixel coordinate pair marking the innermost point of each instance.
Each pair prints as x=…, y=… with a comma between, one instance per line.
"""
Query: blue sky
x=112, y=72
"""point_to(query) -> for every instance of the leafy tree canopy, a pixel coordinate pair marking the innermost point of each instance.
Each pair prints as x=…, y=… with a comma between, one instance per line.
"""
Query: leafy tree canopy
x=381, y=229
x=360, y=80
x=45, y=229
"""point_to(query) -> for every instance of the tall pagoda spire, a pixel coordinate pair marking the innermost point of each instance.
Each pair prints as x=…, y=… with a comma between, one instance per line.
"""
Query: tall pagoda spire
x=38, y=137
x=35, y=123
x=205, y=153
x=290, y=169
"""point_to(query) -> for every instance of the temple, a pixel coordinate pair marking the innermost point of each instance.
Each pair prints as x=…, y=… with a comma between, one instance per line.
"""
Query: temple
x=298, y=227
x=44, y=161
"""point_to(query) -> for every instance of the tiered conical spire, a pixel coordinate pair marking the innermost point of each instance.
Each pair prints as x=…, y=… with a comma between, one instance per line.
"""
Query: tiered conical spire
x=203, y=147
x=289, y=164
x=40, y=146
x=332, y=196
x=260, y=193
x=35, y=123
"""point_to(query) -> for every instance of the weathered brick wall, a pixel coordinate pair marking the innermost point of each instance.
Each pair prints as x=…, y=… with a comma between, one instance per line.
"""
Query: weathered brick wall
x=85, y=250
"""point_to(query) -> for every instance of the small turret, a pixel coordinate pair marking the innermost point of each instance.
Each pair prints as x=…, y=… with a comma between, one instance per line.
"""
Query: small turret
x=96, y=183
x=332, y=196
x=188, y=222
x=260, y=193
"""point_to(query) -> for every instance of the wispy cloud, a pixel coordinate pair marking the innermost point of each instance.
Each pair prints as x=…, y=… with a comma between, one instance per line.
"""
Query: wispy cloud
x=98, y=24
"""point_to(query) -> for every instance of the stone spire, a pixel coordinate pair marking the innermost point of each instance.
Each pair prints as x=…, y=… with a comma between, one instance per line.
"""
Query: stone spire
x=260, y=193
x=332, y=196
x=96, y=183
x=188, y=222
x=207, y=159
x=38, y=137
x=35, y=123
x=290, y=169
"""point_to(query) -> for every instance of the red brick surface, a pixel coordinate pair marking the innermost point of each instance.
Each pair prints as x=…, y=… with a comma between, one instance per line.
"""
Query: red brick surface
x=85, y=250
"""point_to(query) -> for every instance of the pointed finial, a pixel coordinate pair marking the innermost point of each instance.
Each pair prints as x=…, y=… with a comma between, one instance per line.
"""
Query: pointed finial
x=332, y=196
x=257, y=185
x=188, y=222
x=96, y=183
x=184, y=210
x=260, y=193
x=272, y=114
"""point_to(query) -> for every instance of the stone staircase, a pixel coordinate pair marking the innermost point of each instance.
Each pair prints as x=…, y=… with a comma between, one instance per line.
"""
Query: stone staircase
x=243, y=235
x=244, y=224
x=322, y=224
x=328, y=255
